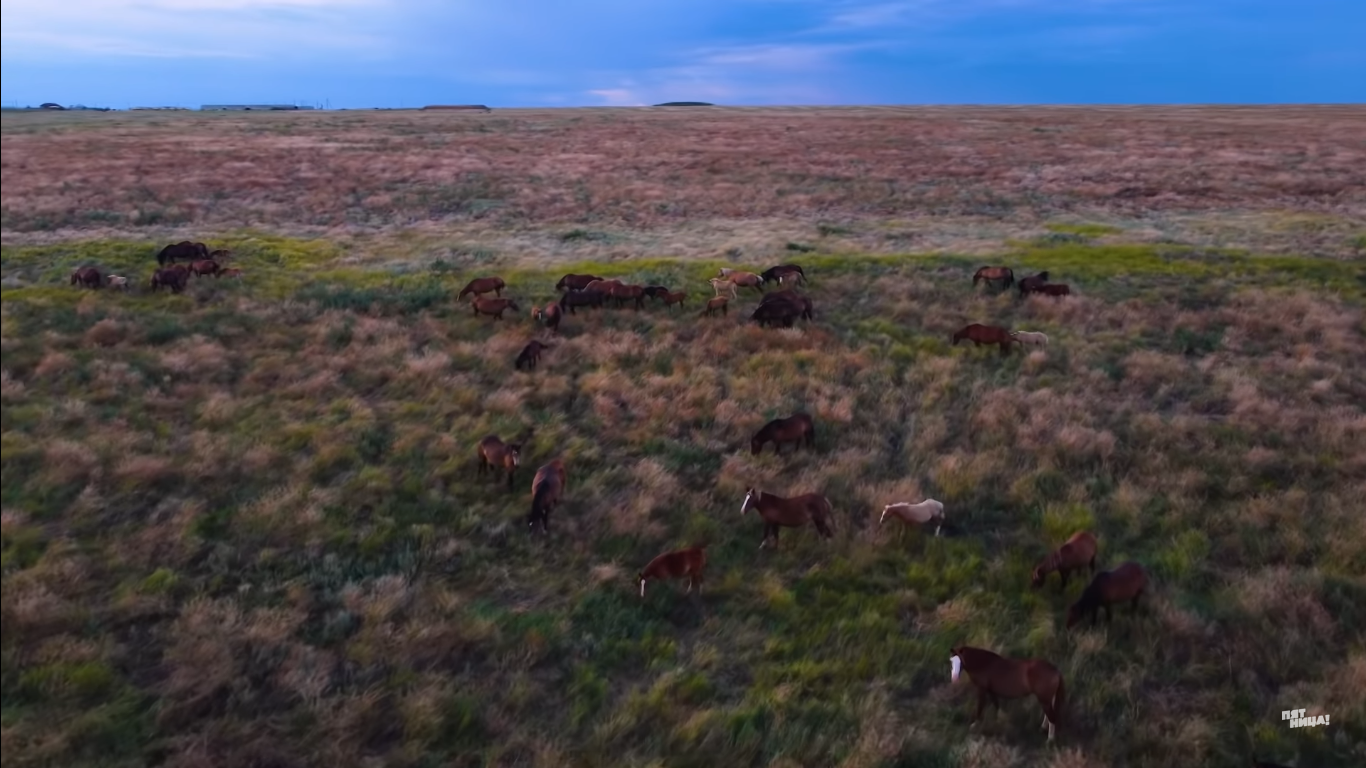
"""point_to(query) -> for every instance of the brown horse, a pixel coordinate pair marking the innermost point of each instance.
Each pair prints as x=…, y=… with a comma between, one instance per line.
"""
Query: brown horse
x=494, y=453
x=792, y=298
x=796, y=429
x=743, y=279
x=625, y=293
x=547, y=489
x=778, y=512
x=1054, y=289
x=169, y=278
x=674, y=298
x=87, y=277
x=602, y=285
x=550, y=314
x=1005, y=274
x=656, y=291
x=584, y=298
x=1033, y=282
x=783, y=312
x=688, y=562
x=575, y=282
x=980, y=334
x=997, y=677
x=182, y=251
x=203, y=267
x=717, y=304
x=494, y=307
x=531, y=354
x=1075, y=554
x=481, y=285
x=1125, y=581
x=232, y=272
x=783, y=272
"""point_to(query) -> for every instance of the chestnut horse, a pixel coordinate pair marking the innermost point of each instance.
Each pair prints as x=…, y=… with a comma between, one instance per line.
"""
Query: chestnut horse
x=547, y=489
x=675, y=297
x=1054, y=289
x=531, y=354
x=1004, y=274
x=688, y=562
x=778, y=512
x=980, y=334
x=998, y=677
x=482, y=285
x=1075, y=554
x=624, y=293
x=1125, y=581
x=575, y=282
x=1032, y=282
x=87, y=277
x=494, y=453
x=205, y=267
x=743, y=279
x=584, y=298
x=550, y=314
x=602, y=285
x=780, y=273
x=796, y=429
x=718, y=303
x=494, y=307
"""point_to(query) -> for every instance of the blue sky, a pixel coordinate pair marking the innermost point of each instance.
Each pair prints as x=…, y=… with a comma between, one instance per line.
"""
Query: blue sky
x=396, y=53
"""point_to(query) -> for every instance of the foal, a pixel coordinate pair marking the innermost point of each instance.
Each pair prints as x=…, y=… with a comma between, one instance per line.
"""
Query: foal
x=675, y=565
x=797, y=429
x=998, y=677
x=718, y=304
x=494, y=453
x=921, y=513
x=1075, y=554
x=1125, y=581
x=531, y=354
x=778, y=512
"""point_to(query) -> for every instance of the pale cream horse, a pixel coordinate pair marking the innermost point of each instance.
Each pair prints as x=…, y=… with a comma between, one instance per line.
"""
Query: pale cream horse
x=919, y=514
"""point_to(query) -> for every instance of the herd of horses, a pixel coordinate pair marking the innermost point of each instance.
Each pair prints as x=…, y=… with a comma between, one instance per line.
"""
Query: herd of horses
x=170, y=274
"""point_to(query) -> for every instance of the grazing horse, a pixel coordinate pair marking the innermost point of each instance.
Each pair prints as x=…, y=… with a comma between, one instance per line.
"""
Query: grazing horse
x=482, y=285
x=1030, y=338
x=495, y=307
x=1033, y=282
x=1125, y=581
x=796, y=429
x=118, y=281
x=998, y=677
x=531, y=354
x=793, y=299
x=674, y=297
x=988, y=274
x=182, y=251
x=778, y=512
x=919, y=514
x=777, y=312
x=1075, y=554
x=688, y=562
x=625, y=293
x=550, y=314
x=780, y=273
x=980, y=334
x=718, y=303
x=494, y=453
x=205, y=267
x=656, y=291
x=575, y=282
x=721, y=284
x=602, y=285
x=169, y=278
x=87, y=277
x=1054, y=289
x=547, y=489
x=584, y=298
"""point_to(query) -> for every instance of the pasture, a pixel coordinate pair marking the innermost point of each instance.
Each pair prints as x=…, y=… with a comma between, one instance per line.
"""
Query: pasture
x=245, y=524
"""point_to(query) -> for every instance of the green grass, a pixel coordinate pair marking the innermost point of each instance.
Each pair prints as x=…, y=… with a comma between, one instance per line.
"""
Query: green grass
x=242, y=525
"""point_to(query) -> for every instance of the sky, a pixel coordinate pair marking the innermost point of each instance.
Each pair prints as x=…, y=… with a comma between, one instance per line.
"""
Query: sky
x=510, y=53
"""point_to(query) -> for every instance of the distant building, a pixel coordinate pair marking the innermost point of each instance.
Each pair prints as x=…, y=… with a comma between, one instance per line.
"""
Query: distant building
x=251, y=107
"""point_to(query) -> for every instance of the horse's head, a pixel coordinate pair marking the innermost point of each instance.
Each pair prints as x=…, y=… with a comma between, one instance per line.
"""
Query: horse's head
x=751, y=496
x=560, y=285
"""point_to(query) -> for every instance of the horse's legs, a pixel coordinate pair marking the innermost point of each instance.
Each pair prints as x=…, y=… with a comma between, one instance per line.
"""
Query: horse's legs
x=981, y=702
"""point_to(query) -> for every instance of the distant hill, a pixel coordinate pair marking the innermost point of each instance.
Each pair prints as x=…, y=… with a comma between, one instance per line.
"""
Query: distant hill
x=685, y=104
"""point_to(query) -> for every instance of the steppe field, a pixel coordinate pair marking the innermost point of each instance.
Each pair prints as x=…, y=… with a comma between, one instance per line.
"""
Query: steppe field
x=243, y=528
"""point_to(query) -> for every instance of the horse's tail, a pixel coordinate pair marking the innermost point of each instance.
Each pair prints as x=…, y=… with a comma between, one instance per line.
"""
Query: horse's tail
x=1010, y=277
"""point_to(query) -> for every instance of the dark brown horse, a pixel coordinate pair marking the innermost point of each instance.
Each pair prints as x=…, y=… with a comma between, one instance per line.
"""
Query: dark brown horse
x=494, y=307
x=717, y=304
x=980, y=334
x=182, y=251
x=781, y=273
x=495, y=454
x=1033, y=282
x=169, y=278
x=997, y=677
x=1124, y=582
x=547, y=489
x=575, y=282
x=584, y=298
x=481, y=285
x=656, y=291
x=792, y=298
x=688, y=562
x=550, y=314
x=1054, y=289
x=1075, y=554
x=531, y=354
x=203, y=267
x=796, y=512
x=775, y=313
x=87, y=277
x=989, y=274
x=797, y=429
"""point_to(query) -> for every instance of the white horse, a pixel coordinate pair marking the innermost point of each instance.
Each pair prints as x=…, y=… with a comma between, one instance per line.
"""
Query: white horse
x=921, y=513
x=720, y=285
x=1030, y=338
x=118, y=281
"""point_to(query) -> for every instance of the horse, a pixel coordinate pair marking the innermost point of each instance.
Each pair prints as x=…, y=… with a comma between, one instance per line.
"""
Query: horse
x=998, y=677
x=495, y=307
x=220, y=255
x=531, y=354
x=602, y=285
x=717, y=303
x=182, y=251
x=744, y=279
x=575, y=282
x=547, y=489
x=623, y=293
x=232, y=272
x=788, y=296
x=169, y=278
x=688, y=562
x=720, y=284
x=1125, y=581
x=656, y=291
x=203, y=267
x=1032, y=282
x=980, y=334
x=777, y=312
x=795, y=512
x=920, y=513
x=1030, y=338
x=550, y=314
x=87, y=277
x=797, y=429
x=674, y=297
x=582, y=298
x=989, y=274
x=482, y=285
x=1076, y=553
x=779, y=273
x=118, y=281
x=494, y=453
x=1054, y=289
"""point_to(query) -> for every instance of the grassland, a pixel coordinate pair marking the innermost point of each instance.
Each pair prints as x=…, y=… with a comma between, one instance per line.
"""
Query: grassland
x=241, y=526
